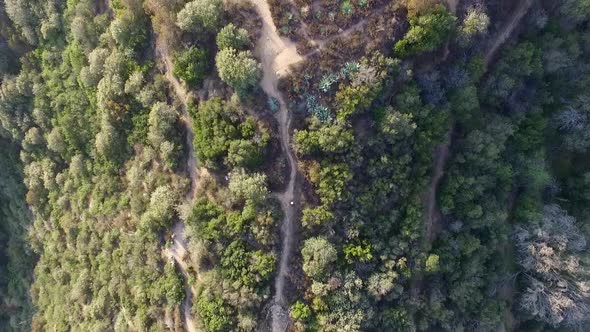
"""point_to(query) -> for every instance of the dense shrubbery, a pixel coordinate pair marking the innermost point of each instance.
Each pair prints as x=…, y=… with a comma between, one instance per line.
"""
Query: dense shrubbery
x=497, y=174
x=238, y=69
x=222, y=138
x=200, y=15
x=99, y=148
x=550, y=253
x=191, y=66
x=428, y=31
x=232, y=37
x=16, y=259
x=369, y=192
x=235, y=230
x=100, y=145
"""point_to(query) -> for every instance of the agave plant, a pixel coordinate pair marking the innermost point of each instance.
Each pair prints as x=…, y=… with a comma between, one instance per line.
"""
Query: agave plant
x=273, y=104
x=350, y=67
x=323, y=113
x=347, y=8
x=327, y=81
x=316, y=109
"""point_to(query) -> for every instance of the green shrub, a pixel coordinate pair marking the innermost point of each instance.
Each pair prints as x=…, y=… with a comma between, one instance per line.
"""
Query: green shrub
x=316, y=216
x=360, y=252
x=300, y=311
x=427, y=32
x=214, y=313
x=232, y=37
x=238, y=69
x=191, y=66
x=318, y=256
x=432, y=263
x=200, y=15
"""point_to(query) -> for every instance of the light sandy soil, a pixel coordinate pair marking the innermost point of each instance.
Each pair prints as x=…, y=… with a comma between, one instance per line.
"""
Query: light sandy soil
x=276, y=54
x=178, y=248
x=176, y=253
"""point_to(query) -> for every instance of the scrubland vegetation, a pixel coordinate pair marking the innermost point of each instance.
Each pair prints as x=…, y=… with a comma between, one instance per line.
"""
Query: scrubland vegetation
x=103, y=103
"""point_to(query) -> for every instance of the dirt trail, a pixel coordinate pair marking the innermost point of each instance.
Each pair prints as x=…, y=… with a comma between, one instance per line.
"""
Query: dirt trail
x=452, y=4
x=433, y=215
x=441, y=156
x=321, y=44
x=178, y=248
x=506, y=32
x=276, y=55
x=103, y=6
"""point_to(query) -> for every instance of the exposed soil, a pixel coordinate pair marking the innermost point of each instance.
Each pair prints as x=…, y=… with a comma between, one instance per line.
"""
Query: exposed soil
x=276, y=55
x=433, y=214
x=177, y=250
x=177, y=253
x=506, y=32
x=321, y=44
x=452, y=4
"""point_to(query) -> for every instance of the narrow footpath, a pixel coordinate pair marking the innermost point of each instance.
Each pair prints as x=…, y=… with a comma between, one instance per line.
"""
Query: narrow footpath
x=178, y=248
x=441, y=154
x=508, y=290
x=508, y=29
x=276, y=54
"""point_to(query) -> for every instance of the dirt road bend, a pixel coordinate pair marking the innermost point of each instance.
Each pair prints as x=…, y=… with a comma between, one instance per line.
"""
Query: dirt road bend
x=178, y=248
x=276, y=55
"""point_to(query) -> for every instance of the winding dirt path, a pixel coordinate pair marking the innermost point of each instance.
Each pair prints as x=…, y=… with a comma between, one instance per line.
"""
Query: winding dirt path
x=178, y=248
x=276, y=55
